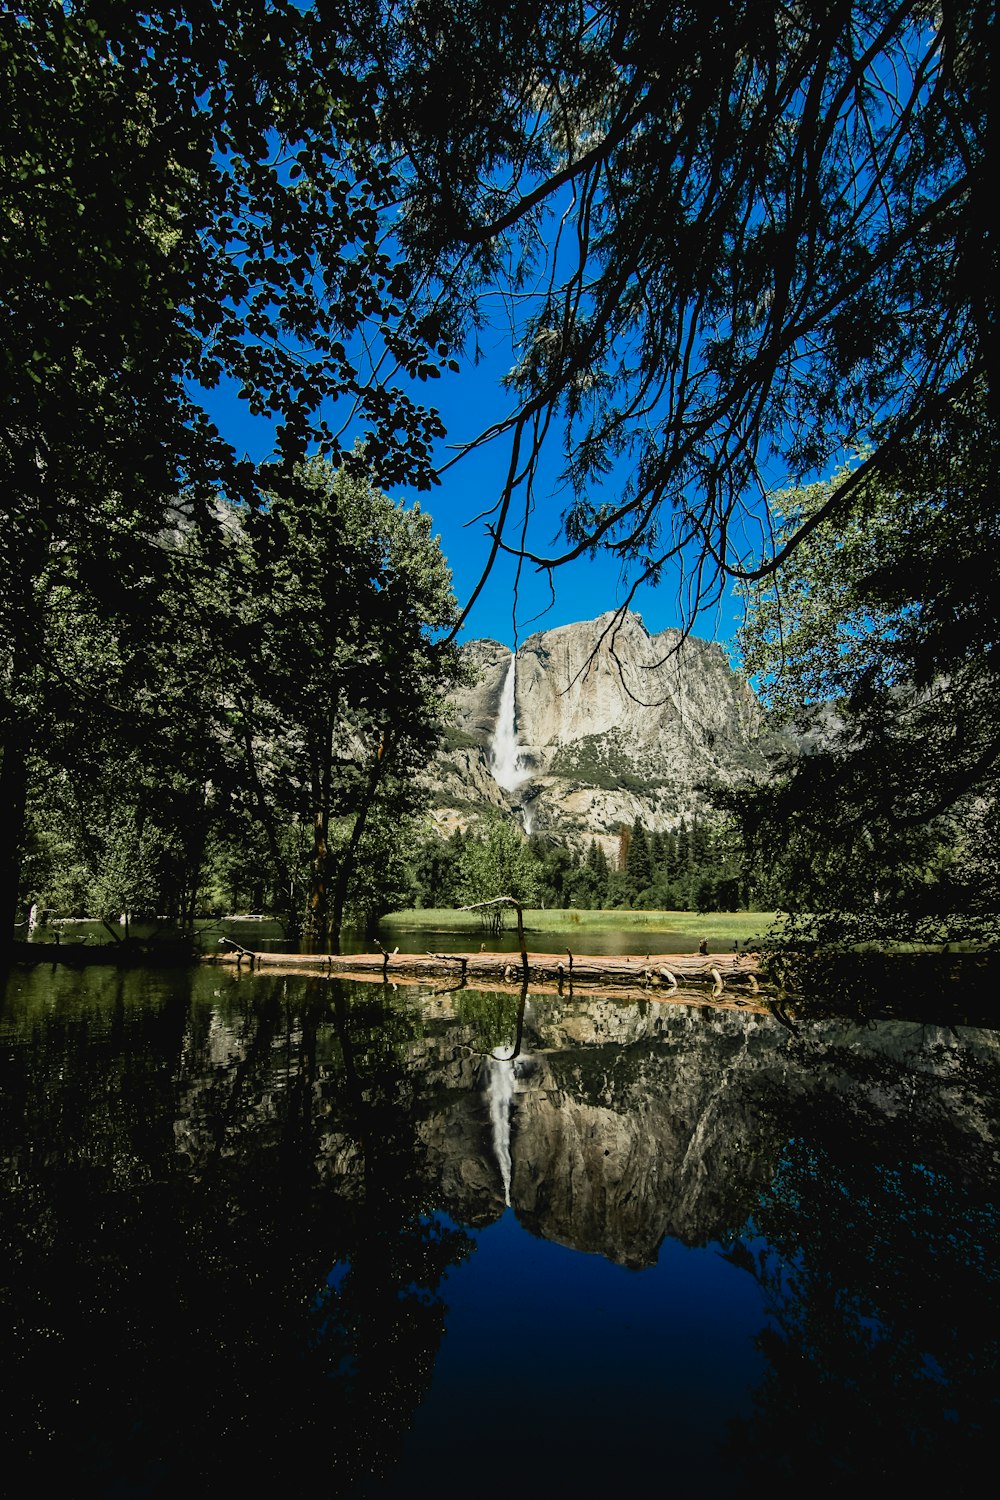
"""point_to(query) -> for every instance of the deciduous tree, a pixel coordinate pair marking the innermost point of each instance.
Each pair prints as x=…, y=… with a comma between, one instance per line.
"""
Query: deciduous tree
x=346, y=601
x=498, y=862
x=878, y=644
x=189, y=194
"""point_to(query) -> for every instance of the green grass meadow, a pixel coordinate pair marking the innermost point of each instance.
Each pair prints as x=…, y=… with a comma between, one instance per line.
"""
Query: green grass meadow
x=720, y=928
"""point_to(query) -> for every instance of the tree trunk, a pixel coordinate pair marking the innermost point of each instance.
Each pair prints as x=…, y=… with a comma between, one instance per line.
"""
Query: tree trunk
x=316, y=922
x=13, y=800
x=319, y=896
x=264, y=814
x=194, y=858
x=349, y=857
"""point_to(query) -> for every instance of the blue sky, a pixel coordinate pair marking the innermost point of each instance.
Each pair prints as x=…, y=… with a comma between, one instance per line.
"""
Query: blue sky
x=469, y=401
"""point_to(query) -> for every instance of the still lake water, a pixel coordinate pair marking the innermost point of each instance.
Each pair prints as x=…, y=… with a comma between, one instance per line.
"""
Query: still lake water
x=265, y=936
x=261, y=1233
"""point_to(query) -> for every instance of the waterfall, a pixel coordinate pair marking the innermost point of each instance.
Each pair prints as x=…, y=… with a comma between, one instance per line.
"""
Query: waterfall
x=507, y=763
x=499, y=1095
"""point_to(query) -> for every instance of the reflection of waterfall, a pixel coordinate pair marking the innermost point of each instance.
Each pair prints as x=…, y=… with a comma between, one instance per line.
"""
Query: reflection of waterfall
x=500, y=1094
x=507, y=761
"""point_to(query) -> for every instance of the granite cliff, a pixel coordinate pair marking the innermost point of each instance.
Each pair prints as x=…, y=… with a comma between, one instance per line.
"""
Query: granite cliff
x=601, y=723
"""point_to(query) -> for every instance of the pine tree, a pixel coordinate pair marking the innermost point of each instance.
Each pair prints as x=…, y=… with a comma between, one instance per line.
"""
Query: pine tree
x=639, y=867
x=683, y=857
x=600, y=873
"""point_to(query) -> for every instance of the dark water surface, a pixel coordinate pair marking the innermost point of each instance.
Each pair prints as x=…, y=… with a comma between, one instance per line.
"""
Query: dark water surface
x=261, y=1234
x=264, y=935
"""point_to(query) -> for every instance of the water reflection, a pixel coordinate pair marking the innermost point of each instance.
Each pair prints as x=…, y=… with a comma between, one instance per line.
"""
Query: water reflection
x=500, y=1093
x=876, y=1259
x=240, y=1216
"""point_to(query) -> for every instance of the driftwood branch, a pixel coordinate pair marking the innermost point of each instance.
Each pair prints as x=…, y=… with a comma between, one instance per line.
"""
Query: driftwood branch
x=241, y=952
x=386, y=955
x=507, y=901
x=665, y=973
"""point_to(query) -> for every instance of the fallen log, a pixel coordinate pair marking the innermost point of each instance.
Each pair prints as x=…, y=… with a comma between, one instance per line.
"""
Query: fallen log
x=660, y=971
x=737, y=998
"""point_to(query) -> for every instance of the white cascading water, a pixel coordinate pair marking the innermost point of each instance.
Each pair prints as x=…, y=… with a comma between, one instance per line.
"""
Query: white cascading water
x=499, y=1096
x=507, y=762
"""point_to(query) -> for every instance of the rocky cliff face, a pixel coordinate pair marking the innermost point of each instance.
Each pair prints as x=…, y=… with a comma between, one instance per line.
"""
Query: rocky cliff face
x=611, y=722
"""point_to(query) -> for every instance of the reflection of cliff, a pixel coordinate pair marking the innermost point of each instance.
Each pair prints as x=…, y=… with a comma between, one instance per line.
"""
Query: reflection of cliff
x=675, y=1132
x=618, y=1145
x=628, y=1121
x=638, y=1120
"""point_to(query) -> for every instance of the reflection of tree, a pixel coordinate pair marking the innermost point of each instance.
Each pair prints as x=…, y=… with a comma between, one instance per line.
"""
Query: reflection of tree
x=820, y=975
x=380, y=1318
x=491, y=1016
x=884, y=1334
x=170, y=1215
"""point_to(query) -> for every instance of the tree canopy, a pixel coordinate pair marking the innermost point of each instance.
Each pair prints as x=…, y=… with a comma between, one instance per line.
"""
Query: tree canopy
x=194, y=193
x=191, y=194
x=728, y=246
x=497, y=862
x=725, y=247
x=877, y=645
x=343, y=604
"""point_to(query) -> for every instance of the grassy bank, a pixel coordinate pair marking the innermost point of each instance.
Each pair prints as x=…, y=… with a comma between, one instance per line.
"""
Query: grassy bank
x=722, y=929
